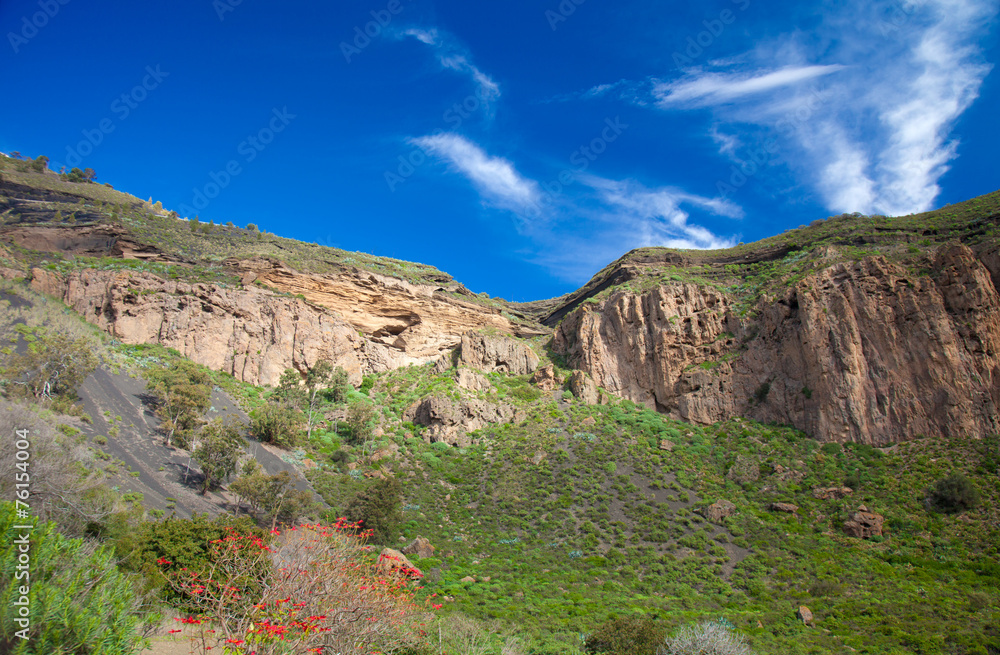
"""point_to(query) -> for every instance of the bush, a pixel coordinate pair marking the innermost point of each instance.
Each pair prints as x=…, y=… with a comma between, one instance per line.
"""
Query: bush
x=80, y=602
x=377, y=508
x=218, y=452
x=709, y=638
x=954, y=494
x=276, y=424
x=626, y=635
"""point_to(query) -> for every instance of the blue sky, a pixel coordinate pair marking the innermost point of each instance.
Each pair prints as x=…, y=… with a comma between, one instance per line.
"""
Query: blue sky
x=519, y=146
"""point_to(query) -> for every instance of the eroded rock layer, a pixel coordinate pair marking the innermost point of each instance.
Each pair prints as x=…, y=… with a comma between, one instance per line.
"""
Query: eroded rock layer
x=862, y=351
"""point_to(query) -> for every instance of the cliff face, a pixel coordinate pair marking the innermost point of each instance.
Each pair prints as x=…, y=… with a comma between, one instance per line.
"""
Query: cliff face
x=861, y=351
x=250, y=333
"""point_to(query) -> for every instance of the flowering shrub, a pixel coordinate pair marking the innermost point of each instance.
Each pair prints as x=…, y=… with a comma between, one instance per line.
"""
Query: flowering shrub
x=320, y=593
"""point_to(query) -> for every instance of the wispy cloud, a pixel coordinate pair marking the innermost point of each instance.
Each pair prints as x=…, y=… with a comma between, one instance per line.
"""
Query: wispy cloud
x=454, y=57
x=656, y=218
x=861, y=107
x=705, y=89
x=494, y=177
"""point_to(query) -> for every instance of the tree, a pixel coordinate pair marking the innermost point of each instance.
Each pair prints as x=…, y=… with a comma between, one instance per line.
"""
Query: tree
x=75, y=175
x=53, y=364
x=954, y=494
x=40, y=164
x=360, y=418
x=377, y=508
x=626, y=635
x=273, y=495
x=276, y=423
x=184, y=392
x=89, y=175
x=709, y=638
x=218, y=452
x=304, y=391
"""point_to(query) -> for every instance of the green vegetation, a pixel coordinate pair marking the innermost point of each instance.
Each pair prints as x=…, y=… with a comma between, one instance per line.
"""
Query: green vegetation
x=79, y=602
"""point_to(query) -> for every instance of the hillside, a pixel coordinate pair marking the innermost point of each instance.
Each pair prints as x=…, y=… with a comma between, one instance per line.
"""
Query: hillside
x=691, y=436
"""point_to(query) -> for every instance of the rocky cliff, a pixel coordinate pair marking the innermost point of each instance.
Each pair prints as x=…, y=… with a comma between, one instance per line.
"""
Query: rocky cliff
x=867, y=351
x=361, y=321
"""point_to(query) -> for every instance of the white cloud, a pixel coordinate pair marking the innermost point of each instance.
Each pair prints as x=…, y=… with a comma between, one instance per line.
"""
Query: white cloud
x=494, y=177
x=654, y=217
x=453, y=57
x=705, y=89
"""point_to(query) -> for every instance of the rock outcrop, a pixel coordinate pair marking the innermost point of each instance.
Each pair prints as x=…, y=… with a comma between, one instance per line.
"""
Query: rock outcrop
x=489, y=353
x=719, y=510
x=420, y=547
x=545, y=378
x=832, y=493
x=864, y=524
x=861, y=351
x=393, y=561
x=583, y=387
x=450, y=421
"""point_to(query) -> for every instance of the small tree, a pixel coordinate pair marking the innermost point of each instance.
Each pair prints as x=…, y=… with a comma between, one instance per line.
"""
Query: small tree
x=51, y=365
x=184, y=392
x=89, y=176
x=954, y=494
x=361, y=419
x=40, y=164
x=377, y=508
x=218, y=452
x=276, y=423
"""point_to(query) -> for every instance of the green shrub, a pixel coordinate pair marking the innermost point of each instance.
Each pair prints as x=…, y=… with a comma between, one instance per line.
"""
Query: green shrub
x=626, y=635
x=954, y=494
x=79, y=601
x=277, y=424
x=377, y=507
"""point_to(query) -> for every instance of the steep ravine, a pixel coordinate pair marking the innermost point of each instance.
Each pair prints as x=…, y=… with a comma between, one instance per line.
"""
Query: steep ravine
x=864, y=351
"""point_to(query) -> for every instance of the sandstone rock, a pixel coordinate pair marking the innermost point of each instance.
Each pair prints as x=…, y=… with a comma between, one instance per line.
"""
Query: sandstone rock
x=863, y=524
x=468, y=578
x=468, y=379
x=667, y=445
x=805, y=615
x=831, y=493
x=788, y=508
x=496, y=353
x=719, y=510
x=583, y=387
x=538, y=458
x=393, y=561
x=450, y=421
x=420, y=547
x=884, y=354
x=545, y=378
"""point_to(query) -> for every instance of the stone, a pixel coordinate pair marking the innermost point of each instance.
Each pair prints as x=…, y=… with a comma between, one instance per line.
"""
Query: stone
x=545, y=378
x=472, y=381
x=667, y=445
x=489, y=353
x=395, y=562
x=719, y=510
x=805, y=615
x=831, y=493
x=788, y=508
x=468, y=578
x=450, y=421
x=583, y=387
x=864, y=524
x=818, y=345
x=420, y=547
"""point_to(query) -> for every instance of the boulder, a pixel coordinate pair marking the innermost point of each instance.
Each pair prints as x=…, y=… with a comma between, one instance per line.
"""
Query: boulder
x=468, y=578
x=496, y=353
x=863, y=524
x=719, y=510
x=584, y=388
x=805, y=615
x=788, y=508
x=472, y=381
x=450, y=421
x=831, y=493
x=395, y=562
x=545, y=378
x=667, y=445
x=420, y=547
